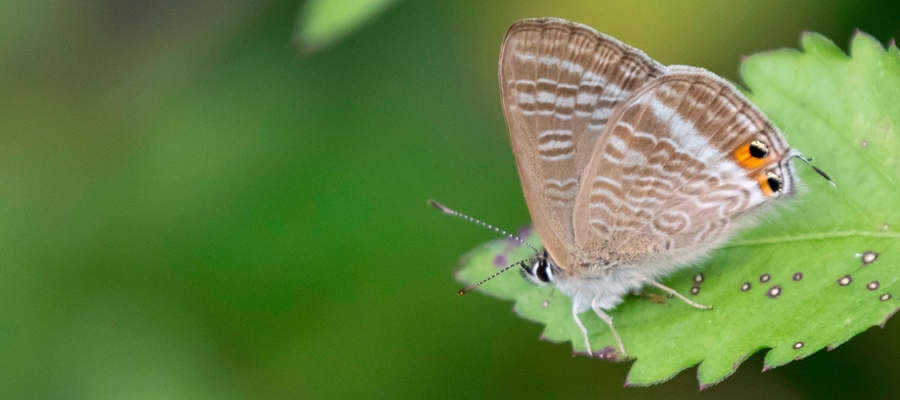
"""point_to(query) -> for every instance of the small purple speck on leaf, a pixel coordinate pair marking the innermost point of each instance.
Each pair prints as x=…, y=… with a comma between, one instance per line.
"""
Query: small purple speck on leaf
x=500, y=261
x=525, y=232
x=608, y=353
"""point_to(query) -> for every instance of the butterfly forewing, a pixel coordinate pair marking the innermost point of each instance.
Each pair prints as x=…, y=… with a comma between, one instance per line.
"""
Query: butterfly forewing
x=671, y=171
x=560, y=82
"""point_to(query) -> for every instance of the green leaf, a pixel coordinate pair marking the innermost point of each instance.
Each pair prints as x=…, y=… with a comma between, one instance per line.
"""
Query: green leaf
x=324, y=22
x=843, y=110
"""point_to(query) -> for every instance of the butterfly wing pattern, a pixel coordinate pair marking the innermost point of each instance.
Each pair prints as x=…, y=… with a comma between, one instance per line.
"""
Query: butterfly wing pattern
x=559, y=84
x=630, y=169
x=667, y=179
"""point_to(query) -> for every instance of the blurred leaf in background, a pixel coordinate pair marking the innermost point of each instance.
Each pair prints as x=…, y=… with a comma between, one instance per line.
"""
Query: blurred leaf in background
x=323, y=22
x=190, y=210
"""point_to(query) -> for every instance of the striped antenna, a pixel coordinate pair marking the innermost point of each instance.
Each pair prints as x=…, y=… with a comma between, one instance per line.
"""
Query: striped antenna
x=447, y=210
x=808, y=161
x=470, y=288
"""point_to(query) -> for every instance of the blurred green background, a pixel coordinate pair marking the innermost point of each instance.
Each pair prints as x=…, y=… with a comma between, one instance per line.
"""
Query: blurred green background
x=191, y=208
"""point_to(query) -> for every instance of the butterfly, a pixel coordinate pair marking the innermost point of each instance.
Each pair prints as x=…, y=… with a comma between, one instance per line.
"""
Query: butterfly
x=630, y=169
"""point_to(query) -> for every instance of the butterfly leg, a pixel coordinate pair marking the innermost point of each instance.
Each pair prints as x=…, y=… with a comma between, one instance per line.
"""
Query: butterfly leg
x=673, y=292
x=587, y=343
x=608, y=320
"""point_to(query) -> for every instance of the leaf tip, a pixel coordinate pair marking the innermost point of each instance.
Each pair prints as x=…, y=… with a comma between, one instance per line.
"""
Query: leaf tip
x=866, y=45
x=893, y=50
x=814, y=42
x=857, y=33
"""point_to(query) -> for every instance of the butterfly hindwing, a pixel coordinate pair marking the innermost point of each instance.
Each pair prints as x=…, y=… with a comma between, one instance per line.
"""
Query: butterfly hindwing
x=673, y=170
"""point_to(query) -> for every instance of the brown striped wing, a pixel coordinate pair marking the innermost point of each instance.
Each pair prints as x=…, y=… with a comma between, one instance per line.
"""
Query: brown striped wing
x=670, y=178
x=559, y=83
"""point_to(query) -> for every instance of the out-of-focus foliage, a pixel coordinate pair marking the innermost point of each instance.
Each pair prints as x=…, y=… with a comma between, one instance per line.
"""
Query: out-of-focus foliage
x=323, y=22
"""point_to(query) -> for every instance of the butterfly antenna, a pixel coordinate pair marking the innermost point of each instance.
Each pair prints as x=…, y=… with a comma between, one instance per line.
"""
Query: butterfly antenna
x=446, y=210
x=470, y=288
x=808, y=161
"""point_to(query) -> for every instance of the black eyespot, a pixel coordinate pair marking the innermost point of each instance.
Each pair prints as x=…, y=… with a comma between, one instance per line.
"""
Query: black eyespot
x=774, y=182
x=758, y=149
x=541, y=271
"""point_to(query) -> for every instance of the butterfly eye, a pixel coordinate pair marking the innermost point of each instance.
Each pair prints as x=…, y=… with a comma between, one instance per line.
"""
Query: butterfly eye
x=542, y=271
x=774, y=182
x=758, y=149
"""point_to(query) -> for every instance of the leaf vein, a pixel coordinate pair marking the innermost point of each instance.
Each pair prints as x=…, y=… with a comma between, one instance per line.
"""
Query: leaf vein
x=813, y=237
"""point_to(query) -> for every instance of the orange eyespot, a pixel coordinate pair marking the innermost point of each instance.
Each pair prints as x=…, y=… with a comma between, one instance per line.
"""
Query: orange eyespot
x=769, y=183
x=751, y=156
